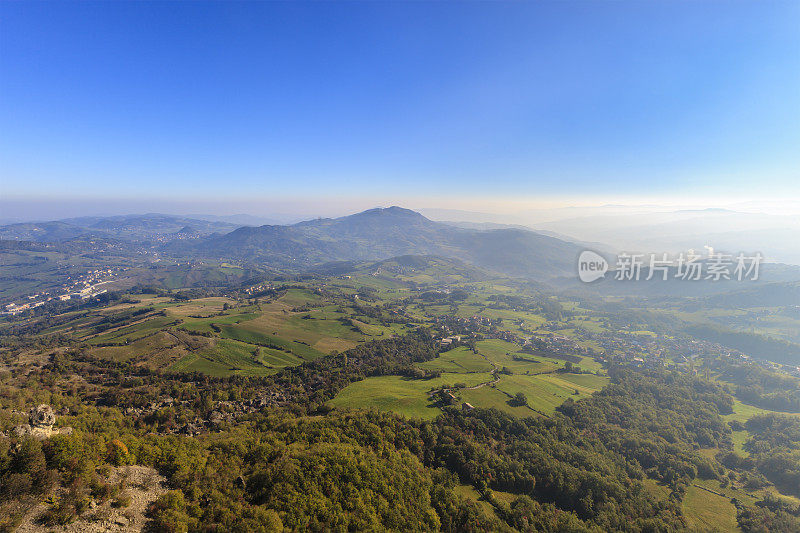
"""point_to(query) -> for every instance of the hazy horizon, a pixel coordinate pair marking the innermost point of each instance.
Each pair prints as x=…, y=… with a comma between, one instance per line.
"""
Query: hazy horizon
x=766, y=228
x=46, y=209
x=652, y=125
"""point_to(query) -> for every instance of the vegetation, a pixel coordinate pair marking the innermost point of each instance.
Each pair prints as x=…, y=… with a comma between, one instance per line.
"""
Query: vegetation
x=390, y=401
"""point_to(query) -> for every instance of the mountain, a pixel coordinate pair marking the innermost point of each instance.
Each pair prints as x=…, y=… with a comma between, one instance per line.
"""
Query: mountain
x=381, y=233
x=188, y=230
x=483, y=225
x=769, y=295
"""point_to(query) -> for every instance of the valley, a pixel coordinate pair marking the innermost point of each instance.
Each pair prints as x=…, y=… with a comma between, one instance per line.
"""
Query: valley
x=228, y=348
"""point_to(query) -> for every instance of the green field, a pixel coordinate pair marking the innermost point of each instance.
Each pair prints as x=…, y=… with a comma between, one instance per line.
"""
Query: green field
x=709, y=512
x=226, y=357
x=133, y=332
x=492, y=398
x=460, y=359
x=408, y=397
x=503, y=353
x=742, y=412
x=250, y=336
x=548, y=391
x=544, y=389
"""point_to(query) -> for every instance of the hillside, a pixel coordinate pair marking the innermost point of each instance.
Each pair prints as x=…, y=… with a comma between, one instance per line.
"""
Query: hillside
x=408, y=269
x=381, y=233
x=124, y=227
x=42, y=231
x=281, y=403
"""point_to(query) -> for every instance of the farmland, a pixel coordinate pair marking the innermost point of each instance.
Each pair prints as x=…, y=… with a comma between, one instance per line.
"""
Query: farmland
x=490, y=348
x=466, y=373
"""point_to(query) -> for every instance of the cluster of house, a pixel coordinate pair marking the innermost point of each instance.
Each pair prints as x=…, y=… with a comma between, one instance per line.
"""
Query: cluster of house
x=81, y=287
x=447, y=341
x=508, y=336
x=13, y=309
x=769, y=365
x=472, y=324
x=560, y=344
x=447, y=397
x=259, y=289
x=659, y=351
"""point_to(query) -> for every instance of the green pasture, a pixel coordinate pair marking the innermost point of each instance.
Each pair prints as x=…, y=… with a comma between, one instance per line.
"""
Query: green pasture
x=405, y=396
x=460, y=359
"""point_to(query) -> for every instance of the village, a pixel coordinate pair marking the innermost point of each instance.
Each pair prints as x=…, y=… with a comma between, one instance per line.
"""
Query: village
x=79, y=287
x=620, y=347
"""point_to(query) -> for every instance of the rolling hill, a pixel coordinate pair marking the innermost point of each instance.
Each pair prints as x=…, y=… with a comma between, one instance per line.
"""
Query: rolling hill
x=122, y=227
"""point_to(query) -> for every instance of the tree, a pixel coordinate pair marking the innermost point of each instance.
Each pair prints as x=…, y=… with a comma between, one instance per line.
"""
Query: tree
x=519, y=399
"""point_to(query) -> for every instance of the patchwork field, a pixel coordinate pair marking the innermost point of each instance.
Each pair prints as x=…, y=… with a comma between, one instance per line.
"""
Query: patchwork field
x=224, y=336
x=479, y=385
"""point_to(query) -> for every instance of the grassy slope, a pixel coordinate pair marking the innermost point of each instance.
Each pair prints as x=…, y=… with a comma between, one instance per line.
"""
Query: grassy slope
x=408, y=397
x=709, y=512
x=460, y=359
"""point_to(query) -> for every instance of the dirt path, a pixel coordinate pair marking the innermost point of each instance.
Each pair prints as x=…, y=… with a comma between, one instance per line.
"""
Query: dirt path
x=494, y=372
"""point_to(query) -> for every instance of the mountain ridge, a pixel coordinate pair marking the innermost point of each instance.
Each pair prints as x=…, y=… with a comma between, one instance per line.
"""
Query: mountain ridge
x=382, y=233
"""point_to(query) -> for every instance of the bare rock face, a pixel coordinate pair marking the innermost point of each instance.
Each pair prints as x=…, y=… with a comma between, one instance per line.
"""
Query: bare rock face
x=41, y=420
x=42, y=416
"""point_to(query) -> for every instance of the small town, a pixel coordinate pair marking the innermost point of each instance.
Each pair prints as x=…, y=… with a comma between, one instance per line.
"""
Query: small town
x=79, y=287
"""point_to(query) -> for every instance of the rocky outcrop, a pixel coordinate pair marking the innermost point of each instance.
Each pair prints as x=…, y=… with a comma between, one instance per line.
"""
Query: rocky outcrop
x=141, y=486
x=41, y=420
x=42, y=416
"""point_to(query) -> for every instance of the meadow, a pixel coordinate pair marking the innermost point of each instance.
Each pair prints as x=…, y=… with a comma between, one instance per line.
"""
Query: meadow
x=538, y=380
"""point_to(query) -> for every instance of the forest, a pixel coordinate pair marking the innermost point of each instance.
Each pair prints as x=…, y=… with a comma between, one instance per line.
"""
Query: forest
x=302, y=466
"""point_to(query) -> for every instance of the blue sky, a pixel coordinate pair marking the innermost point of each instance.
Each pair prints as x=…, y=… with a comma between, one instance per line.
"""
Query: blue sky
x=378, y=101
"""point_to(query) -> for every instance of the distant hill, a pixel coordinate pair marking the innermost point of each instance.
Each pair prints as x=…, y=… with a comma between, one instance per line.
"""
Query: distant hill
x=769, y=295
x=42, y=231
x=382, y=233
x=244, y=219
x=152, y=225
x=596, y=246
x=125, y=227
x=188, y=230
